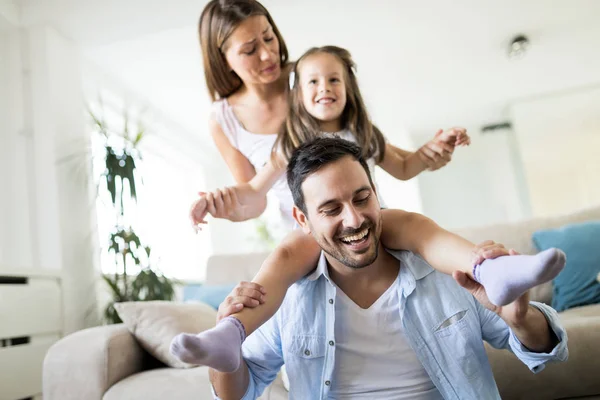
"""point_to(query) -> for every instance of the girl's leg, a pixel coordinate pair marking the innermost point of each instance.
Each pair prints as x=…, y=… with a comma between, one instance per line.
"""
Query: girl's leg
x=219, y=347
x=504, y=277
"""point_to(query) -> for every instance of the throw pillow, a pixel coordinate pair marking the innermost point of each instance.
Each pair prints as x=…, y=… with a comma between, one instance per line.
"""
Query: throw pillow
x=155, y=323
x=576, y=285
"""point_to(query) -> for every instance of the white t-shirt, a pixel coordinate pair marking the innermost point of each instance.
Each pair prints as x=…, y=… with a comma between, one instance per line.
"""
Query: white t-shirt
x=373, y=359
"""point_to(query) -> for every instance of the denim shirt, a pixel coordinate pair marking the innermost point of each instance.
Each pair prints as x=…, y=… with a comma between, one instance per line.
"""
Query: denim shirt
x=443, y=322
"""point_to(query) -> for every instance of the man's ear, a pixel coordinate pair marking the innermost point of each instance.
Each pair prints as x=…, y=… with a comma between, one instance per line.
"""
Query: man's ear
x=301, y=219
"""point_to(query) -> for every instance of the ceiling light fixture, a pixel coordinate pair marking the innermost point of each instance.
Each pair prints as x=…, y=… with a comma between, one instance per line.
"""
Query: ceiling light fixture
x=518, y=47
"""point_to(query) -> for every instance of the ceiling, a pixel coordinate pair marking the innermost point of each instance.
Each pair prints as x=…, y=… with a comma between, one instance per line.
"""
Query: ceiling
x=421, y=65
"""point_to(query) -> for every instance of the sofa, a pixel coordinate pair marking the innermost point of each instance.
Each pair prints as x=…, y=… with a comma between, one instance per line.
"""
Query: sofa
x=108, y=363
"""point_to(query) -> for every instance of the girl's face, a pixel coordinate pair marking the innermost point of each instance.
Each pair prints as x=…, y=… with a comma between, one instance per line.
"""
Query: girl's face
x=252, y=51
x=322, y=82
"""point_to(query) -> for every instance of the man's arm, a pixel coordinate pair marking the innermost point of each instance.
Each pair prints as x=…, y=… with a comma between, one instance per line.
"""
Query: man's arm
x=526, y=344
x=230, y=385
x=530, y=330
x=533, y=331
x=262, y=359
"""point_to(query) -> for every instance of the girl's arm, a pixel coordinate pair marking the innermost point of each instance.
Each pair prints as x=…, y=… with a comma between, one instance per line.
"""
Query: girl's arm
x=295, y=257
x=443, y=250
x=240, y=202
x=433, y=155
x=403, y=165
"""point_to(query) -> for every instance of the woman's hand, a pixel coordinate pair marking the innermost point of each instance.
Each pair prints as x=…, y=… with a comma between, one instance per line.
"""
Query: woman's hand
x=222, y=203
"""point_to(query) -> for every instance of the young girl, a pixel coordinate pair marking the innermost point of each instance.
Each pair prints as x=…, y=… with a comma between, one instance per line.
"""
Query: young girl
x=325, y=100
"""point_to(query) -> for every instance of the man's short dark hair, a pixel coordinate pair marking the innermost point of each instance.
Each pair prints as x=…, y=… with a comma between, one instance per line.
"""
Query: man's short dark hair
x=314, y=155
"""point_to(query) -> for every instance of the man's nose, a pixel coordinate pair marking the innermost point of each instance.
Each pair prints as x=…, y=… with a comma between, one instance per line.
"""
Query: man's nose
x=352, y=218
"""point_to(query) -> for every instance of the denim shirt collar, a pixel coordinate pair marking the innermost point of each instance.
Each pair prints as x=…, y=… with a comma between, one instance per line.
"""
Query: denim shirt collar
x=320, y=270
x=416, y=269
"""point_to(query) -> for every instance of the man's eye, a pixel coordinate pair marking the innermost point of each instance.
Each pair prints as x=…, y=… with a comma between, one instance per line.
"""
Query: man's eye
x=363, y=200
x=331, y=211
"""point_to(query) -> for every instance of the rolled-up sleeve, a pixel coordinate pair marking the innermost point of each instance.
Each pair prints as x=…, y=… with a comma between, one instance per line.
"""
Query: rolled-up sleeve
x=536, y=361
x=498, y=334
x=264, y=358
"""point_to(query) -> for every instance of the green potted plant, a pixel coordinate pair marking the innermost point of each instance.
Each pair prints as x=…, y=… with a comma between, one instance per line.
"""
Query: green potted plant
x=120, y=178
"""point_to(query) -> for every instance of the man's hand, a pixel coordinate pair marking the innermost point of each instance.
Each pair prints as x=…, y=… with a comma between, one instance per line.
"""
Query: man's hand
x=245, y=294
x=513, y=312
x=527, y=322
x=488, y=250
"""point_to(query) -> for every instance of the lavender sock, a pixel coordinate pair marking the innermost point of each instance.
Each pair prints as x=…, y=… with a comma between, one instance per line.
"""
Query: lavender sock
x=218, y=348
x=508, y=277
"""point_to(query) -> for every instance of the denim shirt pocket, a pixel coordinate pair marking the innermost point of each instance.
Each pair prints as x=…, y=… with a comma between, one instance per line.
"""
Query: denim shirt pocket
x=453, y=335
x=306, y=346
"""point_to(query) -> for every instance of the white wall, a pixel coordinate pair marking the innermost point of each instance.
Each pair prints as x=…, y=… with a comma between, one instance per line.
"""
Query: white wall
x=547, y=165
x=480, y=186
x=559, y=137
x=49, y=222
x=17, y=244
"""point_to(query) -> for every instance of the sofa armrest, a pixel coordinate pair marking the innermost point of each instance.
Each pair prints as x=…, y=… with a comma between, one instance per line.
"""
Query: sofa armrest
x=577, y=377
x=87, y=363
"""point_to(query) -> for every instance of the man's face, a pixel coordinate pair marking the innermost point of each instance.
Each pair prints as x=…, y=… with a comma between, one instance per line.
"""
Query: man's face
x=343, y=213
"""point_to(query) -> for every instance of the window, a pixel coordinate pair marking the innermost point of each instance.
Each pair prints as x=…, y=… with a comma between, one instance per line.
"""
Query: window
x=171, y=175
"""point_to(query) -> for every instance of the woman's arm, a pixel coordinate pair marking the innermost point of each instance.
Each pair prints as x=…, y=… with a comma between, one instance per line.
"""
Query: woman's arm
x=240, y=202
x=239, y=166
x=247, y=199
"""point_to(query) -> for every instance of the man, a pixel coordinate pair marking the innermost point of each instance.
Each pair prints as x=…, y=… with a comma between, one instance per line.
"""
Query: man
x=377, y=324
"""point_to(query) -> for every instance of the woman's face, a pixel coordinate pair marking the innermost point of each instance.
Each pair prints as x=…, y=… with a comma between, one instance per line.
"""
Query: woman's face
x=252, y=51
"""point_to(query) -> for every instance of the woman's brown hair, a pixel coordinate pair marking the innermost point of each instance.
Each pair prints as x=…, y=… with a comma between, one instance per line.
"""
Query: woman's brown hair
x=302, y=127
x=218, y=20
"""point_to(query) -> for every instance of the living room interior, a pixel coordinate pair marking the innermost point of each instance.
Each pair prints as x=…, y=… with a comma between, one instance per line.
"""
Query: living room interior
x=104, y=145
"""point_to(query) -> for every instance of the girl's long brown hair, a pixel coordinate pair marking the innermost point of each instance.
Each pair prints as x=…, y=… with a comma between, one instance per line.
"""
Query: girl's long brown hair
x=217, y=21
x=302, y=127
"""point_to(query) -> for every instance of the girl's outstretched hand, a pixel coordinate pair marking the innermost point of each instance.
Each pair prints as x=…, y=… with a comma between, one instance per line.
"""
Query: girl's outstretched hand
x=435, y=154
x=456, y=136
x=198, y=212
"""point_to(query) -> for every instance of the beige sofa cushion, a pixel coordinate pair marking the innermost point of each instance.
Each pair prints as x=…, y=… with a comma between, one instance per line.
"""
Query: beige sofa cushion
x=163, y=383
x=177, y=384
x=155, y=323
x=575, y=378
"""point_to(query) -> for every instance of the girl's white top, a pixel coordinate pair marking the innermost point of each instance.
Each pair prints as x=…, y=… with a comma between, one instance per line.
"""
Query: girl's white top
x=257, y=149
